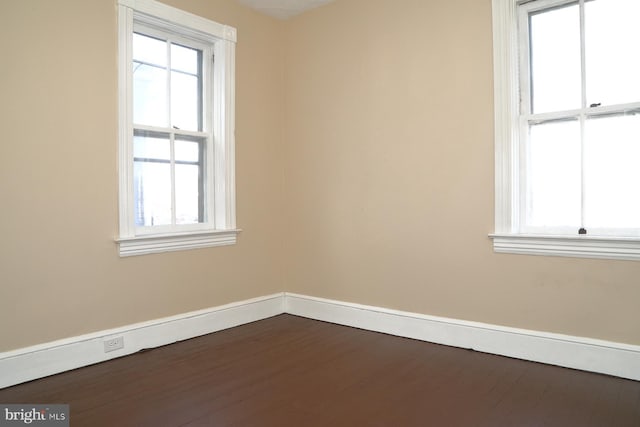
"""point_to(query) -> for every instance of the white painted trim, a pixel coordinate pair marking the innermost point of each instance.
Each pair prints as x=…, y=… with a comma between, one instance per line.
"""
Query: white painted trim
x=506, y=110
x=621, y=360
x=224, y=134
x=42, y=360
x=611, y=358
x=151, y=244
x=125, y=125
x=510, y=74
x=568, y=246
x=220, y=226
x=167, y=13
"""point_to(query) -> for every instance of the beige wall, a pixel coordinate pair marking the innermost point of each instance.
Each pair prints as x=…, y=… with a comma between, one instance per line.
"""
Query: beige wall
x=364, y=173
x=389, y=176
x=60, y=274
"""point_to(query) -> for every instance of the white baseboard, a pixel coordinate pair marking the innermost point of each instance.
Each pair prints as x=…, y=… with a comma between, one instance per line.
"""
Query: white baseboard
x=611, y=358
x=42, y=360
x=621, y=360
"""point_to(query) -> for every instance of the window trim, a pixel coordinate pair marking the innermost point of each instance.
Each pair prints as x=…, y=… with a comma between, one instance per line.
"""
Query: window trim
x=222, y=223
x=506, y=239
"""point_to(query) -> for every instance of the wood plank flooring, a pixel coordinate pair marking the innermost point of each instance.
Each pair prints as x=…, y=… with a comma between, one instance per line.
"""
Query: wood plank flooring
x=291, y=371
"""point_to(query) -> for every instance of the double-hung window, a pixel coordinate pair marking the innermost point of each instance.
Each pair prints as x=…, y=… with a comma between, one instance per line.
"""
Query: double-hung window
x=176, y=145
x=567, y=103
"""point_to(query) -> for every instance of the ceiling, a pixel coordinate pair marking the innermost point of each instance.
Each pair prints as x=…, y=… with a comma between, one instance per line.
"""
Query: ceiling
x=283, y=9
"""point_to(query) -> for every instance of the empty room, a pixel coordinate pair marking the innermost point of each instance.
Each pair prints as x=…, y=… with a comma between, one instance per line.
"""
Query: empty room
x=320, y=213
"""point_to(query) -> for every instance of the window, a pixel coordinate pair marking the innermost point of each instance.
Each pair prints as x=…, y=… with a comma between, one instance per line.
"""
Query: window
x=567, y=104
x=176, y=149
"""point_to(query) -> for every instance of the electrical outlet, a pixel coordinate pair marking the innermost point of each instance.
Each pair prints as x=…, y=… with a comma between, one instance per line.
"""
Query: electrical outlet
x=113, y=344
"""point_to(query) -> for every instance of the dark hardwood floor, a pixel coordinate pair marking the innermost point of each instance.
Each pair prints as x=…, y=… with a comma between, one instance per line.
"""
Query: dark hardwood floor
x=291, y=371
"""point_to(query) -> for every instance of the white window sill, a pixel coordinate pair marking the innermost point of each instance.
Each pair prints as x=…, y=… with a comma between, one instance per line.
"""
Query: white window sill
x=623, y=248
x=151, y=244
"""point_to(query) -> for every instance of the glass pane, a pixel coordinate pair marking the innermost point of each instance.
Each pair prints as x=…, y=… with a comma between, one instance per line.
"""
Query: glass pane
x=553, y=175
x=555, y=60
x=612, y=173
x=185, y=109
x=152, y=193
x=149, y=50
x=187, y=194
x=187, y=151
x=612, y=33
x=149, y=95
x=151, y=147
x=184, y=59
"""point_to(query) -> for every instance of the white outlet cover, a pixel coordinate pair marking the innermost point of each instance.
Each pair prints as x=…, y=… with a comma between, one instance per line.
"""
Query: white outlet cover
x=283, y=9
x=113, y=344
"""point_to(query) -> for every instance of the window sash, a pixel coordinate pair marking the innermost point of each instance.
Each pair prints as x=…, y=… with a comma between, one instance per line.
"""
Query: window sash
x=527, y=119
x=206, y=187
x=205, y=71
x=172, y=161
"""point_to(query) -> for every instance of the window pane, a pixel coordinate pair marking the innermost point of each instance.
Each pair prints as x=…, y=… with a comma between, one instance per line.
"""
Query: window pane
x=152, y=193
x=187, y=194
x=151, y=147
x=612, y=173
x=187, y=151
x=184, y=59
x=185, y=109
x=149, y=50
x=149, y=95
x=613, y=63
x=555, y=60
x=553, y=175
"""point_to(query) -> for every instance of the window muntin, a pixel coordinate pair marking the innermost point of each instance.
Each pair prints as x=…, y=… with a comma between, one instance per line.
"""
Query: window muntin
x=567, y=184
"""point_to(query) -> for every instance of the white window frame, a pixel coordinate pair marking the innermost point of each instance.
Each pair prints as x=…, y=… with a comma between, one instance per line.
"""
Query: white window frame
x=507, y=238
x=219, y=227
